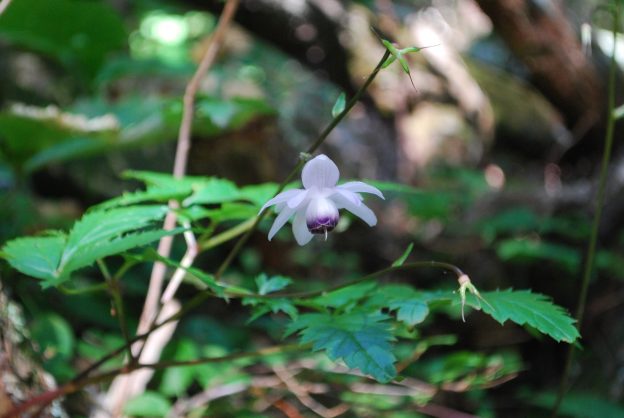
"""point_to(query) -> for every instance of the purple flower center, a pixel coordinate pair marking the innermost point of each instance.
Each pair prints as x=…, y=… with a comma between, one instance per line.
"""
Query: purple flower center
x=322, y=225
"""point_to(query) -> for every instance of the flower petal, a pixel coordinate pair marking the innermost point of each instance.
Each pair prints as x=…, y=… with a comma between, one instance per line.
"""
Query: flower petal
x=320, y=172
x=295, y=201
x=280, y=198
x=354, y=198
x=279, y=222
x=360, y=187
x=361, y=211
x=300, y=229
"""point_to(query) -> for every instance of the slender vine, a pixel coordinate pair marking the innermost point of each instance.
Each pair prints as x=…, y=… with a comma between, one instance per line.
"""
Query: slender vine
x=600, y=200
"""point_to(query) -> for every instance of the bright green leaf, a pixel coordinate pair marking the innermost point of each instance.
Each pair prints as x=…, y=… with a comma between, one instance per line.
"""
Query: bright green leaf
x=339, y=106
x=36, y=256
x=345, y=297
x=534, y=309
x=269, y=285
x=361, y=340
x=410, y=311
x=399, y=261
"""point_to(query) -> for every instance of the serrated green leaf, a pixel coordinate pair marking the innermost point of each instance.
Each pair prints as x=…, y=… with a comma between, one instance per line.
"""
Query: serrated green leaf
x=361, y=340
x=399, y=261
x=268, y=285
x=35, y=256
x=148, y=404
x=89, y=254
x=97, y=235
x=339, y=106
x=261, y=307
x=95, y=228
x=534, y=309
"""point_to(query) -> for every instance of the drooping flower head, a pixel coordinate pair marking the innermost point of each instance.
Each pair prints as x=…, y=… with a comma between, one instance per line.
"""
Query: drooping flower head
x=315, y=207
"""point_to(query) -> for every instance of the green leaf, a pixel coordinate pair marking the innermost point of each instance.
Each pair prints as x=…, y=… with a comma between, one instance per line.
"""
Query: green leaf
x=176, y=380
x=148, y=404
x=261, y=307
x=35, y=256
x=339, y=106
x=97, y=235
x=534, y=309
x=212, y=190
x=269, y=285
x=399, y=261
x=410, y=311
x=53, y=335
x=346, y=297
x=361, y=340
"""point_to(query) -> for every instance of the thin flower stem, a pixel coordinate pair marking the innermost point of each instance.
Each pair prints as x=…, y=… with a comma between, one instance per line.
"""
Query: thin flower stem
x=600, y=200
x=115, y=292
x=317, y=143
x=150, y=309
x=314, y=293
x=99, y=287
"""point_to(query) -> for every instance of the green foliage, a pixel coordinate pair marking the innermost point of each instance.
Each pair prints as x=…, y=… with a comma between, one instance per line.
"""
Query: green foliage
x=360, y=339
x=399, y=261
x=526, y=250
x=524, y=307
x=148, y=404
x=469, y=369
x=268, y=285
x=54, y=340
x=579, y=405
x=176, y=380
x=89, y=33
x=263, y=306
x=339, y=106
x=97, y=235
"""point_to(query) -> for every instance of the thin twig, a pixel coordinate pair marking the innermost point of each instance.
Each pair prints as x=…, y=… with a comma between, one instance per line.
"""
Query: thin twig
x=185, y=263
x=151, y=309
x=71, y=387
x=115, y=292
x=304, y=397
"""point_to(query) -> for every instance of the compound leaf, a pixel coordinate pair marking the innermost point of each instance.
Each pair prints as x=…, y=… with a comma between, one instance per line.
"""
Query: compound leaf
x=361, y=340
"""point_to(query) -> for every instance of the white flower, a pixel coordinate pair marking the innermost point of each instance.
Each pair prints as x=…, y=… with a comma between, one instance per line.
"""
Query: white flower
x=315, y=207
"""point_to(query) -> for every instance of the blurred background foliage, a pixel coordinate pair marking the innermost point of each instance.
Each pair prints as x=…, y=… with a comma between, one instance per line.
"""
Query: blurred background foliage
x=484, y=162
